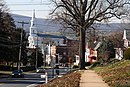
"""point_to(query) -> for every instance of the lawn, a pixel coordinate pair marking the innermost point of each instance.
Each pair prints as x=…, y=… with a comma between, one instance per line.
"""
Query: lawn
x=116, y=75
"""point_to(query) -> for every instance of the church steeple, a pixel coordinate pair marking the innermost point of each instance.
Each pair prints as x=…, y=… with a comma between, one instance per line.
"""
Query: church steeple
x=33, y=29
x=124, y=34
x=33, y=32
x=126, y=42
x=33, y=17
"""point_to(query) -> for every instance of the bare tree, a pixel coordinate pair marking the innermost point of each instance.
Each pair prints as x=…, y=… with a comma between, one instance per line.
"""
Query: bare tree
x=79, y=15
x=3, y=6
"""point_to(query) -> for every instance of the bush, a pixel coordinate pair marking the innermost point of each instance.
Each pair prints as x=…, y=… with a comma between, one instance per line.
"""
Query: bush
x=113, y=61
x=95, y=64
x=87, y=63
x=28, y=68
x=5, y=67
x=127, y=54
x=75, y=66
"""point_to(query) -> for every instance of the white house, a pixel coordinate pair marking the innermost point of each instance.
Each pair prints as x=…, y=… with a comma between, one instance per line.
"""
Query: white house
x=118, y=53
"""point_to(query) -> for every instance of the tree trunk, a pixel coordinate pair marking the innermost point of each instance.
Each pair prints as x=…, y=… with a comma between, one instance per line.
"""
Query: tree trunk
x=82, y=48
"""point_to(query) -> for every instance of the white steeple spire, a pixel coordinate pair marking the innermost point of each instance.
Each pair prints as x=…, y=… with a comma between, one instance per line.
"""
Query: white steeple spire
x=33, y=32
x=126, y=42
x=33, y=17
x=124, y=35
x=33, y=24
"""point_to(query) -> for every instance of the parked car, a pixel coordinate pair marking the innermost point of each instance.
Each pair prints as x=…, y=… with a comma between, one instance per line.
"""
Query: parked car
x=17, y=73
x=40, y=70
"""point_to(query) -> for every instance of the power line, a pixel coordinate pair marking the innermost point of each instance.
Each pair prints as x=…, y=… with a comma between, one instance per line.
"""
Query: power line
x=9, y=46
x=30, y=1
x=29, y=10
x=31, y=4
x=49, y=25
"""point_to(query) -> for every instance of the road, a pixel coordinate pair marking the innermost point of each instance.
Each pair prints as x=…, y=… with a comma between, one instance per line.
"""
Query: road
x=30, y=79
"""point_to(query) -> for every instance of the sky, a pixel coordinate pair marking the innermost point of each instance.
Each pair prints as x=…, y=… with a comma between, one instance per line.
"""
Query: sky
x=42, y=8
x=25, y=7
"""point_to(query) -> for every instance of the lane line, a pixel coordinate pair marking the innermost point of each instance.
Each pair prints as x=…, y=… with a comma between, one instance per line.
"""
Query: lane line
x=2, y=83
x=34, y=85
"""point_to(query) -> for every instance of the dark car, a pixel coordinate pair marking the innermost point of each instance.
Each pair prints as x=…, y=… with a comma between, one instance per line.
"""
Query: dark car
x=17, y=73
x=40, y=70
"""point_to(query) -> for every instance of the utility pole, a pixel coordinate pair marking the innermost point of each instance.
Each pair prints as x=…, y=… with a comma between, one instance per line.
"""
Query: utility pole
x=36, y=54
x=21, y=43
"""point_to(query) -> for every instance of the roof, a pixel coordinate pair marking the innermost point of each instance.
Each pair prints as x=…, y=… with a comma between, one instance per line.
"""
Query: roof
x=51, y=36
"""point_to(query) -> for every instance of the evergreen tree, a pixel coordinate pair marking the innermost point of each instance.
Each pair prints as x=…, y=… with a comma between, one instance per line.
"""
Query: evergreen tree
x=10, y=37
x=6, y=27
x=106, y=51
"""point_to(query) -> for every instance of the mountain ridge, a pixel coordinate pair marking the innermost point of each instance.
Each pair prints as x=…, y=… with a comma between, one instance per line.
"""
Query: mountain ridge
x=43, y=25
x=46, y=25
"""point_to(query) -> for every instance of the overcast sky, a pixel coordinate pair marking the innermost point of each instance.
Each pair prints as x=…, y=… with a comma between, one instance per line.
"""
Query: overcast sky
x=42, y=8
x=25, y=7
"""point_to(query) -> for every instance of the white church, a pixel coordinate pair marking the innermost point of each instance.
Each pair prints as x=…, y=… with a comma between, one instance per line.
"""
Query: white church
x=32, y=39
x=119, y=51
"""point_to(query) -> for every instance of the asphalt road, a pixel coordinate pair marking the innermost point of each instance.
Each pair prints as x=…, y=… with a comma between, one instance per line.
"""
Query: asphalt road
x=30, y=79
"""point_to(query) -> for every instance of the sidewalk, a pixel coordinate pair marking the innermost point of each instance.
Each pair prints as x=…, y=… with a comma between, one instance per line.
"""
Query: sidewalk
x=90, y=79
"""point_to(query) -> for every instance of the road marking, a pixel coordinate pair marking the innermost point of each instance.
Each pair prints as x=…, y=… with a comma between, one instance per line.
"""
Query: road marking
x=2, y=83
x=34, y=85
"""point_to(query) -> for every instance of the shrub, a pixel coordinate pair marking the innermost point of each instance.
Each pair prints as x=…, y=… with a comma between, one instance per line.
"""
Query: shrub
x=5, y=67
x=75, y=66
x=127, y=54
x=87, y=63
x=95, y=64
x=28, y=68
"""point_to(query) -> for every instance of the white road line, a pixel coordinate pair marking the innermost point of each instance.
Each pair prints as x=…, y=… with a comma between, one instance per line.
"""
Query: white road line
x=34, y=85
x=1, y=84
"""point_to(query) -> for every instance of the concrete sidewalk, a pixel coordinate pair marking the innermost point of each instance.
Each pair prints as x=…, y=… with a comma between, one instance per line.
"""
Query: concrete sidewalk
x=90, y=79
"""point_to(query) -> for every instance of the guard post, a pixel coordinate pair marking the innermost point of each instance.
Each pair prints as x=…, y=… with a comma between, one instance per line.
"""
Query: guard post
x=45, y=77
